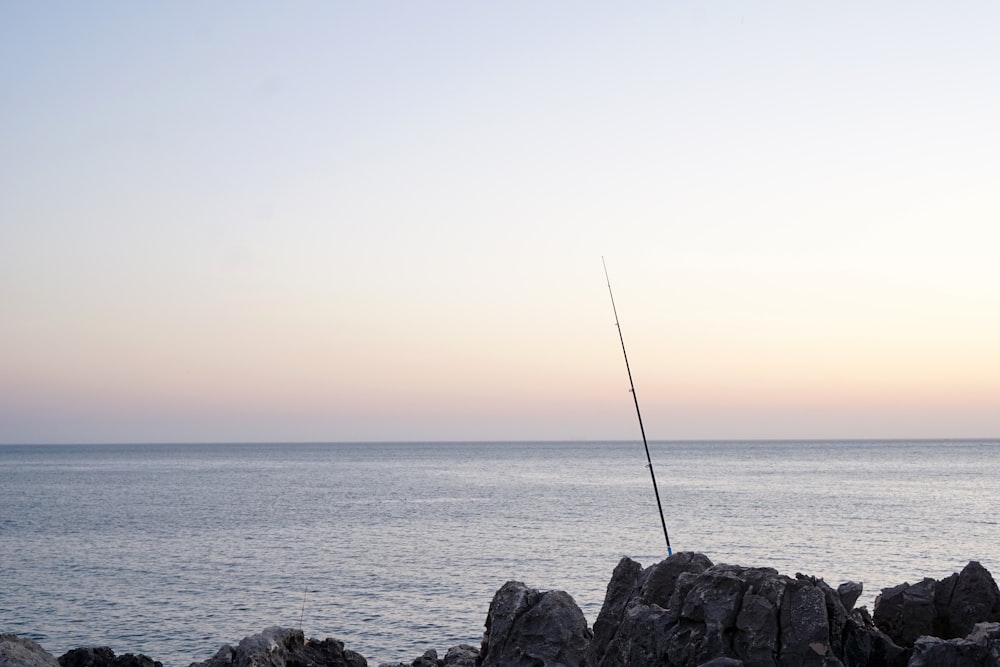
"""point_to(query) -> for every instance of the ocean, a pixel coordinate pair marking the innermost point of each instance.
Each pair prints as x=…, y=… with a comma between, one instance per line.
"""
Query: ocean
x=395, y=548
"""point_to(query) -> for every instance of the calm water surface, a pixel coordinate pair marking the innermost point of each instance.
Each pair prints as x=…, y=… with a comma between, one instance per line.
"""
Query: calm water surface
x=173, y=550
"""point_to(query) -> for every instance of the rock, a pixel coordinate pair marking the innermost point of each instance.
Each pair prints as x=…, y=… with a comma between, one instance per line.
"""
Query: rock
x=103, y=656
x=805, y=629
x=630, y=596
x=865, y=644
x=428, y=659
x=284, y=647
x=623, y=585
x=723, y=662
x=981, y=648
x=657, y=583
x=704, y=614
x=529, y=628
x=23, y=652
x=947, y=609
x=849, y=592
x=98, y=656
x=906, y=612
x=965, y=599
x=462, y=655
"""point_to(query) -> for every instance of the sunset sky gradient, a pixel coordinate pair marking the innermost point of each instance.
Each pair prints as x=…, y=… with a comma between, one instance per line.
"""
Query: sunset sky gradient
x=385, y=220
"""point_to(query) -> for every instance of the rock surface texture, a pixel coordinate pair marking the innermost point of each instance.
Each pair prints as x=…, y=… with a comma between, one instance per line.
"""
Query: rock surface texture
x=529, y=628
x=947, y=609
x=687, y=612
x=284, y=647
x=103, y=656
x=23, y=652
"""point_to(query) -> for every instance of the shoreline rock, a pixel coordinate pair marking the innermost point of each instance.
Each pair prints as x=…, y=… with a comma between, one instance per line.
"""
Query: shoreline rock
x=684, y=611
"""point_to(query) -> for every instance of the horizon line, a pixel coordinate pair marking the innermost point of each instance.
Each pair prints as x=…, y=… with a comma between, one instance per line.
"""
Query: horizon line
x=154, y=443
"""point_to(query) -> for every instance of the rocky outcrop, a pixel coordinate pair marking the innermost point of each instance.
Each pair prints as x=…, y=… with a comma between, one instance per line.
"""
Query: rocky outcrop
x=103, y=656
x=23, y=652
x=684, y=611
x=947, y=609
x=981, y=648
x=284, y=647
x=529, y=628
x=687, y=612
x=462, y=655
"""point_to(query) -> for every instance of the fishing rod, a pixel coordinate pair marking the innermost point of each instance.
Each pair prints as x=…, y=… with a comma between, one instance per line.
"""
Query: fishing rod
x=649, y=461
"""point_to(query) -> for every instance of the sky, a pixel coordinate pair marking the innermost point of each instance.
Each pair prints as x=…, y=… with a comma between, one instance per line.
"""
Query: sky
x=364, y=221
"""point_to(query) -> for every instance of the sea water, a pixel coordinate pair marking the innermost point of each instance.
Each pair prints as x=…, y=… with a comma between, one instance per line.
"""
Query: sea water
x=173, y=550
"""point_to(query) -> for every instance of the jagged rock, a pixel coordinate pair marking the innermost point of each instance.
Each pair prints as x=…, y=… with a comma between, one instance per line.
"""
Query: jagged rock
x=627, y=609
x=906, y=612
x=284, y=647
x=428, y=659
x=965, y=599
x=849, y=592
x=529, y=628
x=623, y=585
x=462, y=655
x=805, y=630
x=23, y=652
x=103, y=656
x=657, y=583
x=865, y=645
x=947, y=609
x=981, y=648
x=96, y=656
x=734, y=615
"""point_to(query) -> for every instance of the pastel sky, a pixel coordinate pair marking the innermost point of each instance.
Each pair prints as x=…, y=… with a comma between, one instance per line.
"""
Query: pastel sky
x=260, y=221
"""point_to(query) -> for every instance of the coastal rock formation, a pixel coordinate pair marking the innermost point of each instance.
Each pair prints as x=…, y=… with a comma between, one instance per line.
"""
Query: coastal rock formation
x=981, y=648
x=284, y=647
x=103, y=656
x=684, y=611
x=529, y=628
x=23, y=652
x=947, y=609
x=687, y=612
x=462, y=655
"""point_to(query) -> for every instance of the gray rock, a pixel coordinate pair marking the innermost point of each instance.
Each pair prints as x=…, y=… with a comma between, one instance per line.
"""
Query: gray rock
x=462, y=655
x=756, y=629
x=633, y=608
x=96, y=656
x=428, y=659
x=528, y=628
x=965, y=599
x=624, y=584
x=805, y=630
x=735, y=615
x=849, y=592
x=947, y=609
x=103, y=656
x=658, y=582
x=865, y=645
x=981, y=648
x=906, y=612
x=23, y=652
x=284, y=647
